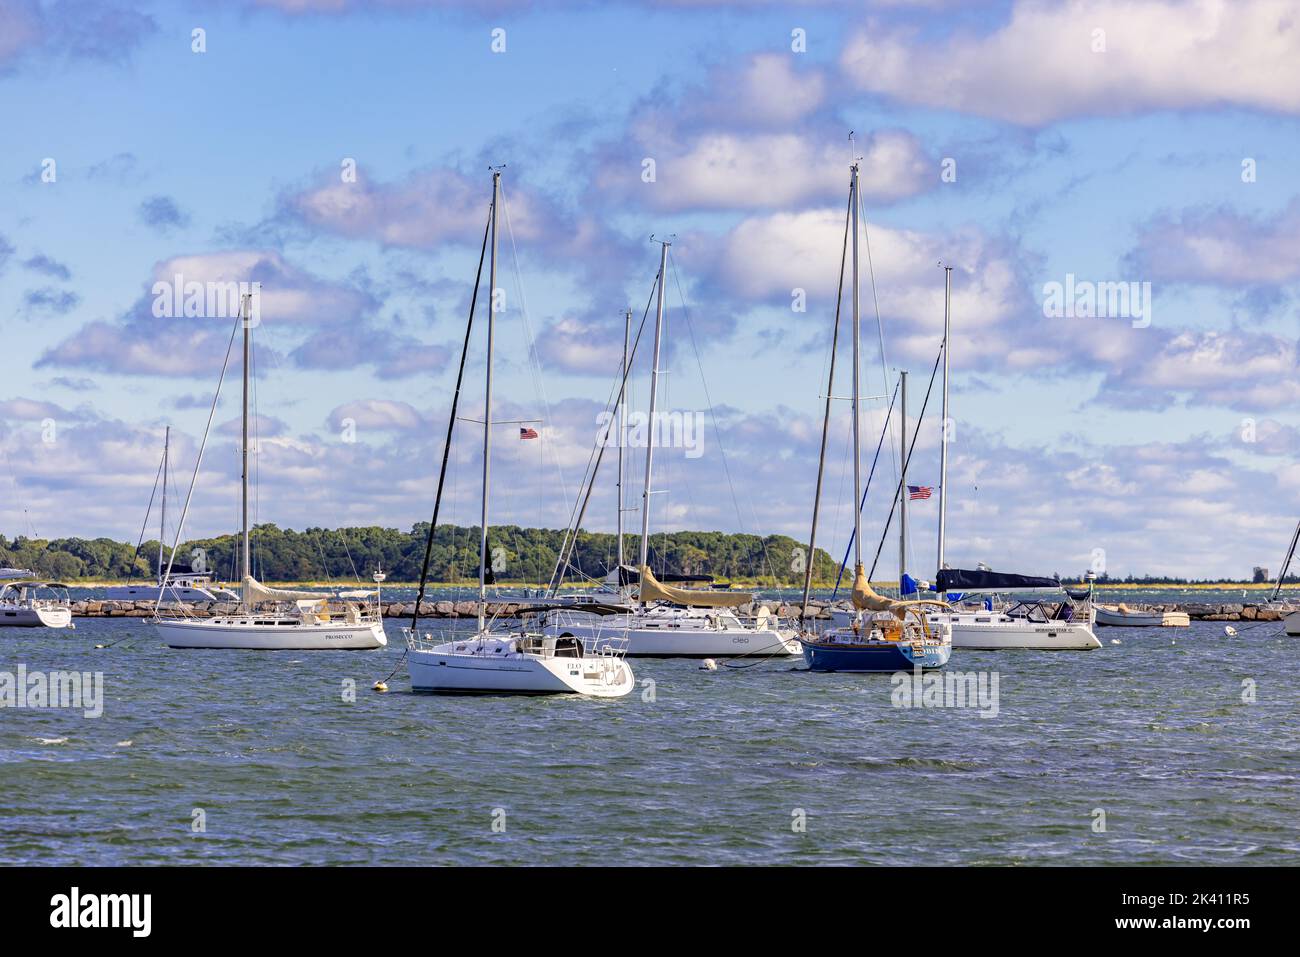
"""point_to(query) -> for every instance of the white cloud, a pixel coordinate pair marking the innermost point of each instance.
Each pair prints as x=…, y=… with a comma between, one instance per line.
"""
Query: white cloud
x=1039, y=66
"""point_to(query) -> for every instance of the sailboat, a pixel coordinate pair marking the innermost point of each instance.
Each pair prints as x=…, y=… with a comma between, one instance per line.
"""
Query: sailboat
x=494, y=660
x=267, y=618
x=181, y=583
x=1291, y=623
x=662, y=620
x=1025, y=624
x=883, y=634
x=33, y=604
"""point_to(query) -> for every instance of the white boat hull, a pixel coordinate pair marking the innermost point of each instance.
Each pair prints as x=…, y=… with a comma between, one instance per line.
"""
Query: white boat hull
x=680, y=638
x=21, y=617
x=1033, y=636
x=1292, y=623
x=1142, y=619
x=1000, y=633
x=442, y=669
x=243, y=633
x=175, y=593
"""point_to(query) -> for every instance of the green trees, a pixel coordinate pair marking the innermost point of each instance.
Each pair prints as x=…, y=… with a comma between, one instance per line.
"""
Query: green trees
x=517, y=554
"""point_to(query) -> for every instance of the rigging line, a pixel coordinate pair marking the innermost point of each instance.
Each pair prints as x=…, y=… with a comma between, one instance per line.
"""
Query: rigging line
x=348, y=552
x=880, y=327
x=717, y=433
x=861, y=505
x=446, y=451
x=826, y=418
x=597, y=453
x=198, y=461
x=145, y=524
x=534, y=361
x=910, y=449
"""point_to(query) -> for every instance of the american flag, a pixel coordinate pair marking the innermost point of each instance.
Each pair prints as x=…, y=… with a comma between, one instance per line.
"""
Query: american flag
x=527, y=433
x=919, y=491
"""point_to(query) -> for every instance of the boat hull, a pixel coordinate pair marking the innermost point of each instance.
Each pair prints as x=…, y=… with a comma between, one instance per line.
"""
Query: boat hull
x=1292, y=623
x=883, y=656
x=35, y=617
x=175, y=593
x=687, y=638
x=1027, y=636
x=447, y=672
x=241, y=634
x=999, y=633
x=1142, y=619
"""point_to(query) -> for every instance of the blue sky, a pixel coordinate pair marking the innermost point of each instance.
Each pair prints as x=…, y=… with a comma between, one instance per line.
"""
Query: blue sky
x=1118, y=164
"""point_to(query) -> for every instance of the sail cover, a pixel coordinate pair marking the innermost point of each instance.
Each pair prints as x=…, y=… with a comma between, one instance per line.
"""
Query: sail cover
x=652, y=590
x=255, y=591
x=866, y=598
x=959, y=579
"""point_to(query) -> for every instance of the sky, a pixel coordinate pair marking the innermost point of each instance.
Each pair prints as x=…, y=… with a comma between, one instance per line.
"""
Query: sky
x=339, y=153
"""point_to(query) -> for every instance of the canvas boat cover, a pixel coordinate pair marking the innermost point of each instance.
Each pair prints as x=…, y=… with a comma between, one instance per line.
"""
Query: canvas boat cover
x=653, y=590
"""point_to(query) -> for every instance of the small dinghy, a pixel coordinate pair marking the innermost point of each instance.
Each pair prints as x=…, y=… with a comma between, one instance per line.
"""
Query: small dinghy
x=1125, y=616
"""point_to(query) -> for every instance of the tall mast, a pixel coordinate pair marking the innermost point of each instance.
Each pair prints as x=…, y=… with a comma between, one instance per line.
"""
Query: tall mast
x=943, y=421
x=902, y=486
x=245, y=549
x=622, y=431
x=487, y=409
x=162, y=520
x=857, y=387
x=654, y=398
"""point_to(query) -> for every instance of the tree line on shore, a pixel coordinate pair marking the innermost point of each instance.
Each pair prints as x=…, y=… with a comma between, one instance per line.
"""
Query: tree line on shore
x=516, y=555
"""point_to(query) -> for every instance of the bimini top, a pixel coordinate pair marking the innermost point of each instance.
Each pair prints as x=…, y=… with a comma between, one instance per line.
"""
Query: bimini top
x=967, y=580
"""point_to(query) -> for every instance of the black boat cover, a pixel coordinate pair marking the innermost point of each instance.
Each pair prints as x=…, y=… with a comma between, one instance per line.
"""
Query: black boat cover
x=961, y=579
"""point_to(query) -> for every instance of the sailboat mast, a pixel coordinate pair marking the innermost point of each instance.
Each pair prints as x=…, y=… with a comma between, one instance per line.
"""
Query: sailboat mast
x=902, y=485
x=487, y=409
x=245, y=550
x=654, y=399
x=1286, y=563
x=622, y=429
x=857, y=385
x=162, y=520
x=943, y=422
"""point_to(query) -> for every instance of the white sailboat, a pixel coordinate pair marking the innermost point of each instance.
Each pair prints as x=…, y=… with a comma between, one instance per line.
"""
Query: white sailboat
x=494, y=660
x=183, y=584
x=1024, y=625
x=664, y=621
x=267, y=618
x=877, y=634
x=33, y=604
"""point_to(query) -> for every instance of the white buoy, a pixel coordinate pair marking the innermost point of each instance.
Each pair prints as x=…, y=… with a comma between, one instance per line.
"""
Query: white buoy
x=1230, y=631
x=380, y=686
x=708, y=664
x=1114, y=641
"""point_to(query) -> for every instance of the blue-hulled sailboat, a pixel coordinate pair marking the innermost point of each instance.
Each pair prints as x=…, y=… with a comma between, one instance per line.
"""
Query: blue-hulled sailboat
x=885, y=634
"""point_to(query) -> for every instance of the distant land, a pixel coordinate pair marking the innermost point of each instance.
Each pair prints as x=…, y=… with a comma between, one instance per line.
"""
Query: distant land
x=520, y=555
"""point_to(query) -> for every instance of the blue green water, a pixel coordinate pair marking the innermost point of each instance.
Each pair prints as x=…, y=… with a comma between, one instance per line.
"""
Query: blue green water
x=713, y=768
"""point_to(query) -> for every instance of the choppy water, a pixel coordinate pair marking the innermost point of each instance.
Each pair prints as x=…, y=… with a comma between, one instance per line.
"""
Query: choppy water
x=715, y=769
